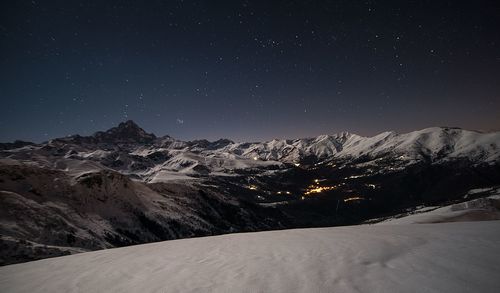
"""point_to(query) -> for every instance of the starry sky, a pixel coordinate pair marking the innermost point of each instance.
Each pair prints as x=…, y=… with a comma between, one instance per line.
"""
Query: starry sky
x=247, y=70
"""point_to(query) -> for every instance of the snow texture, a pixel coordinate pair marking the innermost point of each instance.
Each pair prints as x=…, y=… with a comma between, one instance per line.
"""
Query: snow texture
x=481, y=209
x=444, y=257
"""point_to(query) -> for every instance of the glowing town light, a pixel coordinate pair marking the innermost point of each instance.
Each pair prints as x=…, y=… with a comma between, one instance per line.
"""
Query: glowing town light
x=252, y=187
x=288, y=192
x=297, y=164
x=255, y=158
x=353, y=198
x=319, y=189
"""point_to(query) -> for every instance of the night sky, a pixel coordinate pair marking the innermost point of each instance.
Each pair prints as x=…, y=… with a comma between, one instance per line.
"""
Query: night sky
x=247, y=70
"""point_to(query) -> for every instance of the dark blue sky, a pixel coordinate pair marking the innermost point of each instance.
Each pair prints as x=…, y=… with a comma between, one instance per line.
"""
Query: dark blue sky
x=247, y=70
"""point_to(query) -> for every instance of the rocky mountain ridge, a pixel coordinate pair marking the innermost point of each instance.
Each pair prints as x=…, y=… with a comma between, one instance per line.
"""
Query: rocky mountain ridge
x=125, y=186
x=129, y=149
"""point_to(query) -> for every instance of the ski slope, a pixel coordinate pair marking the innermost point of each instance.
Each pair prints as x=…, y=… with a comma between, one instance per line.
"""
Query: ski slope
x=442, y=257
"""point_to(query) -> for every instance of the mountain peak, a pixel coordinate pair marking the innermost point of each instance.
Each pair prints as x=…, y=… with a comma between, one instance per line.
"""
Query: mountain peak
x=129, y=124
x=125, y=132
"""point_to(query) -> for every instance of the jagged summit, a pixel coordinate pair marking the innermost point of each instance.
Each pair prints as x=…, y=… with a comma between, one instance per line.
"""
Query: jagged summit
x=128, y=124
x=125, y=132
x=127, y=127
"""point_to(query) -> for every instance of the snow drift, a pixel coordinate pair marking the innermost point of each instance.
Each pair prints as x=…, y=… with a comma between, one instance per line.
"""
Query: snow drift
x=445, y=257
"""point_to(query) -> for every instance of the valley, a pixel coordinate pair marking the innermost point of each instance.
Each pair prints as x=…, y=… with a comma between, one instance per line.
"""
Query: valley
x=124, y=186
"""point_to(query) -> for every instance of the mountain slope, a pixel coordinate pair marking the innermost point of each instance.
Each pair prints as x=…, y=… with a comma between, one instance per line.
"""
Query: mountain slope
x=130, y=150
x=96, y=210
x=126, y=186
x=449, y=257
x=431, y=143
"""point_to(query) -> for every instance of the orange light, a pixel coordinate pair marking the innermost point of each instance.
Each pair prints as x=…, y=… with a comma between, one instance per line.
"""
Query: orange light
x=354, y=198
x=319, y=189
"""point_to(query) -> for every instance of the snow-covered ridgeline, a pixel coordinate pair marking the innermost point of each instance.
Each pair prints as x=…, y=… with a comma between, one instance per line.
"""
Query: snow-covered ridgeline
x=130, y=150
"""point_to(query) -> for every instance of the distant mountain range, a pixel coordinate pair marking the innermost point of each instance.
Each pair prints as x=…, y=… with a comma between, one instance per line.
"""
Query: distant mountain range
x=126, y=186
x=130, y=150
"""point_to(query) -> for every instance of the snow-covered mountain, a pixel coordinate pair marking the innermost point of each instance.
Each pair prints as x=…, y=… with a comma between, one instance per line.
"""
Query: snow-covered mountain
x=126, y=186
x=47, y=212
x=435, y=143
x=130, y=150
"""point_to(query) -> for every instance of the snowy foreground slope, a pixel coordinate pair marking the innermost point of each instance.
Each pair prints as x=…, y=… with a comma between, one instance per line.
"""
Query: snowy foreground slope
x=443, y=257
